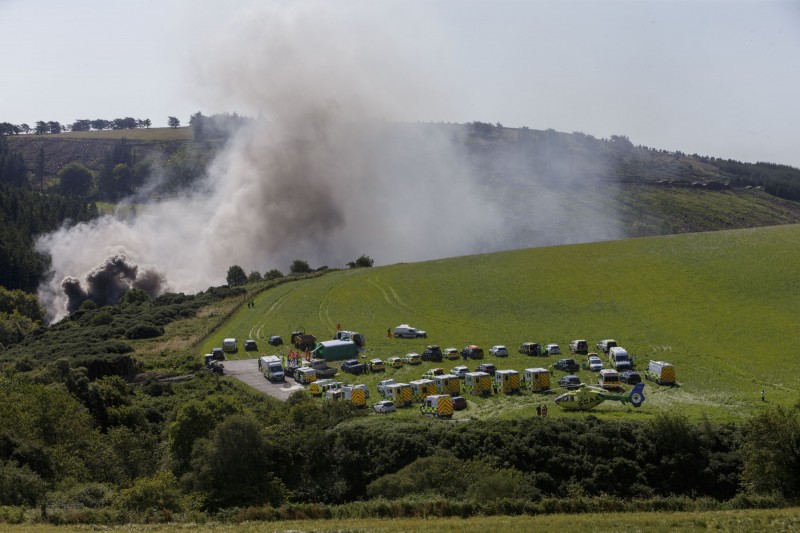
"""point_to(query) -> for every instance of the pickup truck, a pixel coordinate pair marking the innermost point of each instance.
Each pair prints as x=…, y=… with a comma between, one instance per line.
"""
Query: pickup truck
x=567, y=365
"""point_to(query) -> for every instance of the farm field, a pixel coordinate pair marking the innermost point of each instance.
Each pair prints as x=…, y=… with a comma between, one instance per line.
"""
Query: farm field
x=720, y=306
x=739, y=521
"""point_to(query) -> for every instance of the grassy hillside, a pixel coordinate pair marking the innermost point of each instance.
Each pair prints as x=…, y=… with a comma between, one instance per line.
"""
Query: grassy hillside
x=720, y=306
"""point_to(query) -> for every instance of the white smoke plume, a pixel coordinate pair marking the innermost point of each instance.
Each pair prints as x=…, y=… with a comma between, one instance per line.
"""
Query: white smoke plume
x=325, y=174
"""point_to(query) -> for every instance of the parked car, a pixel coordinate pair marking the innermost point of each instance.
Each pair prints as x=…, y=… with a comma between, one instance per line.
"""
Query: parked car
x=567, y=365
x=250, y=346
x=593, y=363
x=376, y=365
x=459, y=403
x=412, y=359
x=352, y=366
x=432, y=353
x=451, y=353
x=631, y=377
x=459, y=371
x=217, y=354
x=579, y=346
x=384, y=406
x=473, y=351
x=275, y=340
x=430, y=373
x=569, y=382
x=394, y=362
x=530, y=348
x=405, y=331
x=605, y=345
x=499, y=351
x=489, y=368
x=552, y=349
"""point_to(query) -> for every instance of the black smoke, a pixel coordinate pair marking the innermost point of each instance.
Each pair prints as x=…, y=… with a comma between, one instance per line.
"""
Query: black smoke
x=109, y=281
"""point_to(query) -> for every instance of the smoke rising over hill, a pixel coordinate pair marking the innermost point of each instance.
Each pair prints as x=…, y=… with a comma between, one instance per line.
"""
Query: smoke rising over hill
x=323, y=175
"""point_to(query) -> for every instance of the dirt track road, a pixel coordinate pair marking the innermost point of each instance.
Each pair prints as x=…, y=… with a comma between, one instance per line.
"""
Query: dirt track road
x=246, y=371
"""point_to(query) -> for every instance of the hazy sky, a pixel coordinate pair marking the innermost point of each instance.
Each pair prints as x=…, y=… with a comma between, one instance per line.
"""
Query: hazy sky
x=714, y=78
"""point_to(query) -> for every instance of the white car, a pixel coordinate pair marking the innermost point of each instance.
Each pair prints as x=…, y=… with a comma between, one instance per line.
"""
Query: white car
x=552, y=349
x=594, y=363
x=459, y=371
x=499, y=351
x=384, y=406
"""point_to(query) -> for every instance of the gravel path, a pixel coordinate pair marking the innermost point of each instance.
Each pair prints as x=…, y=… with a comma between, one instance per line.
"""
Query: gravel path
x=246, y=371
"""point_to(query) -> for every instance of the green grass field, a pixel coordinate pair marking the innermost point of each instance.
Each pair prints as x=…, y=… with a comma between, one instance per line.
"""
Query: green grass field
x=720, y=306
x=740, y=521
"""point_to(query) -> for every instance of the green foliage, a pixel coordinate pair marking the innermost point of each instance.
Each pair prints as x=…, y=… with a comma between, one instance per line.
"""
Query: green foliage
x=144, y=331
x=254, y=276
x=19, y=485
x=771, y=453
x=236, y=276
x=242, y=478
x=194, y=420
x=299, y=266
x=12, y=166
x=24, y=214
x=135, y=296
x=273, y=274
x=153, y=493
x=363, y=261
x=173, y=122
x=14, y=328
x=75, y=180
x=103, y=318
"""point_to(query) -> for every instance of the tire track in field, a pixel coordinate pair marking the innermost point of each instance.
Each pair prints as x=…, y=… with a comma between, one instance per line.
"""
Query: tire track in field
x=323, y=310
x=258, y=327
x=394, y=300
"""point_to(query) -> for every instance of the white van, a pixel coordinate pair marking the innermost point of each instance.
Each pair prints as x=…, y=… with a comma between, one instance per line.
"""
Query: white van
x=619, y=358
x=229, y=345
x=407, y=332
x=609, y=379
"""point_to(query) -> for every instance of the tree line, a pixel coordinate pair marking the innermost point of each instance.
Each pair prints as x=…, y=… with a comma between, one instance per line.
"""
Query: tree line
x=42, y=127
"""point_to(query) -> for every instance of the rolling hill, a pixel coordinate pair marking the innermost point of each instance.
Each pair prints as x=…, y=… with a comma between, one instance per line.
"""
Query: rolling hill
x=720, y=306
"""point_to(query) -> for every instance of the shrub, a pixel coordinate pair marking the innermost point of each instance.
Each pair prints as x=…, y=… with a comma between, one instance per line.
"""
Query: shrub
x=154, y=493
x=144, y=331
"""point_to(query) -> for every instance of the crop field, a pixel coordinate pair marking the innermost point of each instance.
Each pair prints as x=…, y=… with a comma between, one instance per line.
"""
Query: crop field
x=722, y=307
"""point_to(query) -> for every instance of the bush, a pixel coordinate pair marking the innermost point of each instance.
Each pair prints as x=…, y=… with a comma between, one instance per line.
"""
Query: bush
x=158, y=492
x=144, y=331
x=19, y=485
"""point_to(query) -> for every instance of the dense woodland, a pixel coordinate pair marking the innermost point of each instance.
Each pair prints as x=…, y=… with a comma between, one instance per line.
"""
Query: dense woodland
x=93, y=433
